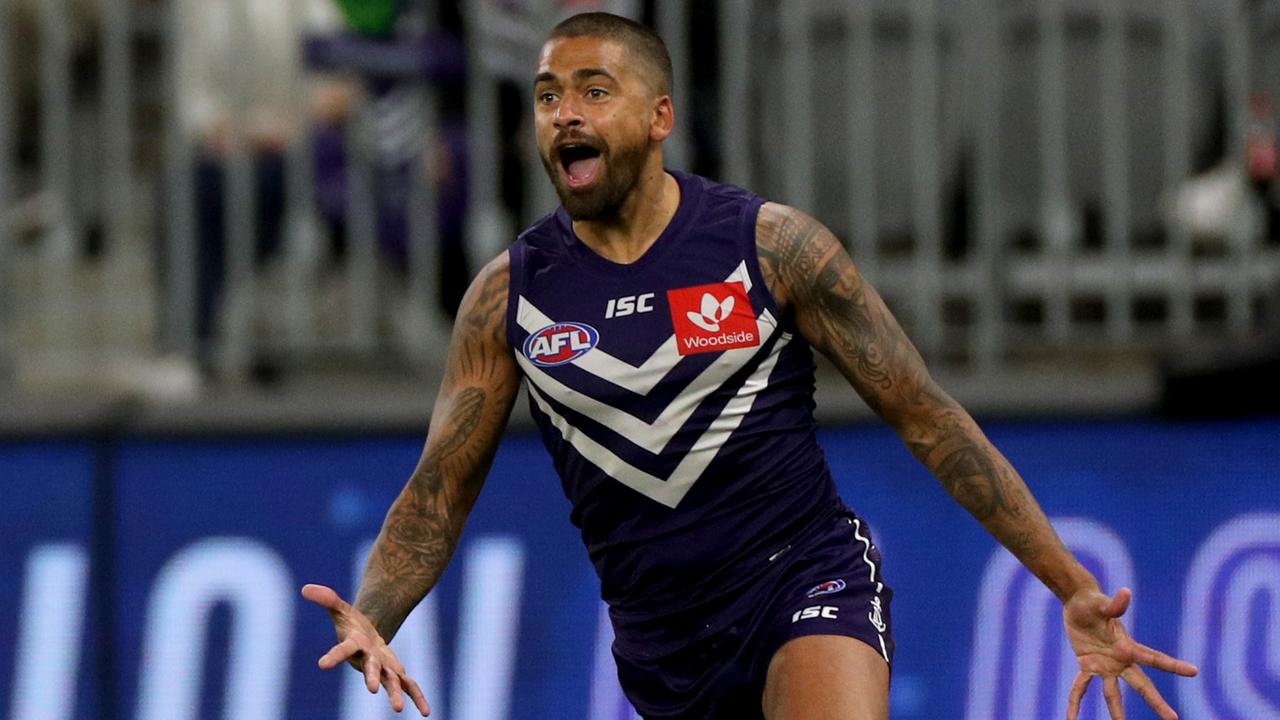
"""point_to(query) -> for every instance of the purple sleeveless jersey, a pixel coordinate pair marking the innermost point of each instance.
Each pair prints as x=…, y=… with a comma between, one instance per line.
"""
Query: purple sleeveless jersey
x=677, y=405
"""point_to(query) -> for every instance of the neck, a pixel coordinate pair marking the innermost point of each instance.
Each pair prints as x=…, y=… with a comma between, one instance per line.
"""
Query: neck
x=640, y=219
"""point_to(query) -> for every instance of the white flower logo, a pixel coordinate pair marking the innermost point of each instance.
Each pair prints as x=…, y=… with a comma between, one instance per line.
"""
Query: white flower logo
x=713, y=312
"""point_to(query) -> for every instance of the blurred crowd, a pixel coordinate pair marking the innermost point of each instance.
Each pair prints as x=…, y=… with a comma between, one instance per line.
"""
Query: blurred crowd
x=351, y=53
x=249, y=84
x=355, y=105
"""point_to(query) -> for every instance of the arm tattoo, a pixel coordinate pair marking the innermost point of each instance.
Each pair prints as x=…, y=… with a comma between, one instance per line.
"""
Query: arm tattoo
x=467, y=408
x=967, y=474
x=840, y=314
x=423, y=526
x=488, y=315
x=805, y=265
x=816, y=282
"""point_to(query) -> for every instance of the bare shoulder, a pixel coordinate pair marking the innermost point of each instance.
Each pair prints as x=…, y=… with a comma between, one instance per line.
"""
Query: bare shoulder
x=480, y=365
x=794, y=250
x=484, y=306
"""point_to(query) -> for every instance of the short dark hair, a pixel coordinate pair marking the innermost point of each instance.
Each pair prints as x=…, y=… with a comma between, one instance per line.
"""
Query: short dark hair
x=644, y=43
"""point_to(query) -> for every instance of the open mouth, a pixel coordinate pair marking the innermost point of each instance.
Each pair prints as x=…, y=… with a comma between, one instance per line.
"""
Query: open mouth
x=580, y=164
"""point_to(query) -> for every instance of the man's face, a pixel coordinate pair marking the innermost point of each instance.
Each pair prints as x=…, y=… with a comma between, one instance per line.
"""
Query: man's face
x=594, y=113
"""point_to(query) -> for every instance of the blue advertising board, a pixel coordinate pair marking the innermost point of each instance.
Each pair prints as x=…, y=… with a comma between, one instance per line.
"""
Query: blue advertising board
x=45, y=625
x=214, y=538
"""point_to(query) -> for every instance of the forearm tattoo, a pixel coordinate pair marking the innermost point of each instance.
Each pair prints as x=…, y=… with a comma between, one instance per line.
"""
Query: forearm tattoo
x=422, y=528
x=814, y=279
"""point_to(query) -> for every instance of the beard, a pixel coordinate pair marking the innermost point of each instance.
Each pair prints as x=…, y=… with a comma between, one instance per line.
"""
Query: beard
x=620, y=168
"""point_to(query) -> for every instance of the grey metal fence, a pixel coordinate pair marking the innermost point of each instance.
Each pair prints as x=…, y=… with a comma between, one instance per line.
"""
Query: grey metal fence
x=73, y=211
x=1015, y=175
x=304, y=299
x=7, y=295
x=1020, y=178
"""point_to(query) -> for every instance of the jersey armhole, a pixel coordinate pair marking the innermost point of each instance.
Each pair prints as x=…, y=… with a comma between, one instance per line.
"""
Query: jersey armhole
x=515, y=284
x=750, y=216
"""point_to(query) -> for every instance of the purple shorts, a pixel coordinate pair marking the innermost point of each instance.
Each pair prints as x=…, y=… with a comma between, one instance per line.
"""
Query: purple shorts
x=829, y=583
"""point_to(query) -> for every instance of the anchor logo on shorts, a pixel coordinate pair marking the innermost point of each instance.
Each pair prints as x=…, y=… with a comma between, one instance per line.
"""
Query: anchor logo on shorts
x=826, y=588
x=874, y=615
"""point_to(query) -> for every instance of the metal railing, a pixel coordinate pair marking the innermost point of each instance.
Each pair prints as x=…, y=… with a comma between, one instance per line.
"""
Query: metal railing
x=7, y=295
x=73, y=208
x=303, y=302
x=1014, y=175
x=1041, y=115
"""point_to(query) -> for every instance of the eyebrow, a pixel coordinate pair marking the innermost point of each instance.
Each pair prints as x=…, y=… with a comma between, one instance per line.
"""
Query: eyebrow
x=579, y=74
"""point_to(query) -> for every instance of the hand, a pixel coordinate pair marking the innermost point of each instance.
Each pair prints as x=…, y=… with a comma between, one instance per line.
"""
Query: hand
x=360, y=644
x=1103, y=648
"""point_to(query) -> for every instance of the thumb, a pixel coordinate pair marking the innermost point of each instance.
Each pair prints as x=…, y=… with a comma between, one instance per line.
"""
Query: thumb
x=1116, y=606
x=324, y=596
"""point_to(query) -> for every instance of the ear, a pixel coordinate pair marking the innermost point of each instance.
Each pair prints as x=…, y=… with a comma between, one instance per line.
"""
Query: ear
x=664, y=118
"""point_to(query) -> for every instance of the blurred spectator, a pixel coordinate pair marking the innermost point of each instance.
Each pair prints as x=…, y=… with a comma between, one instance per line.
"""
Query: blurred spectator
x=239, y=62
x=40, y=203
x=389, y=48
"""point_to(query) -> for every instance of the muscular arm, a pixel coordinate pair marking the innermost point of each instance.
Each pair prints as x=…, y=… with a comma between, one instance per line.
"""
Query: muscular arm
x=841, y=315
x=422, y=528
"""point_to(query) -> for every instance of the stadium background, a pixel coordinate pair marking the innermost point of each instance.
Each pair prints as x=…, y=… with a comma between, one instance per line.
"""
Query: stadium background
x=231, y=240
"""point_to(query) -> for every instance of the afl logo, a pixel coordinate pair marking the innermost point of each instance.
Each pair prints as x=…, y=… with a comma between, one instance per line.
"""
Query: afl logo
x=560, y=343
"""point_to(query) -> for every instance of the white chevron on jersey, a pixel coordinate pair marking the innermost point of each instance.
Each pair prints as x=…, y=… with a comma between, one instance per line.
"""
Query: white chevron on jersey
x=671, y=491
x=652, y=436
x=639, y=380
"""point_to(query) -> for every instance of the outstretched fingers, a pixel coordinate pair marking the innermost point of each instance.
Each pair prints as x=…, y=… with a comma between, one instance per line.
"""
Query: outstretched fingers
x=415, y=694
x=378, y=664
x=1136, y=678
x=1139, y=681
x=1111, y=691
x=398, y=684
x=394, y=692
x=340, y=653
x=1076, y=695
x=1151, y=657
x=372, y=673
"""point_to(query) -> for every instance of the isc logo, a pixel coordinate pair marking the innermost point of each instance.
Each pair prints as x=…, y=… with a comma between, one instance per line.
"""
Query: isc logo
x=629, y=305
x=822, y=611
x=560, y=343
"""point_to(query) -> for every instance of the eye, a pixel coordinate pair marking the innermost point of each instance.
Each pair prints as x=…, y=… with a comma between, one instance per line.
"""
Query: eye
x=597, y=93
x=547, y=97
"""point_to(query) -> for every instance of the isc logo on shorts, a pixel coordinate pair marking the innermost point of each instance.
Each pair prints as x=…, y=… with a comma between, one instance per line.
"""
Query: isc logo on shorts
x=713, y=317
x=817, y=611
x=560, y=343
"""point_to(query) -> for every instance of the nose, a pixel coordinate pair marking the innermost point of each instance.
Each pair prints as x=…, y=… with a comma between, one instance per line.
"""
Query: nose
x=567, y=114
